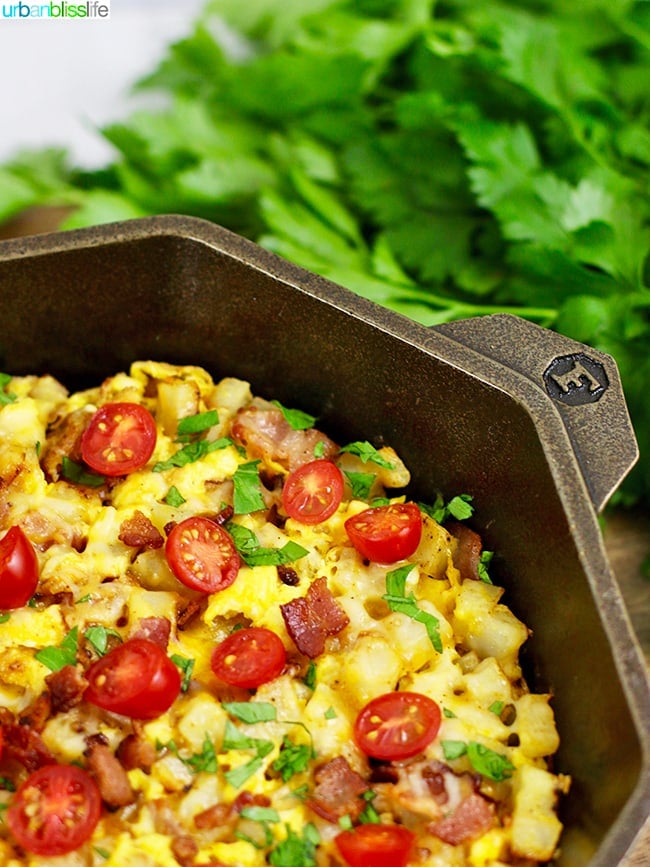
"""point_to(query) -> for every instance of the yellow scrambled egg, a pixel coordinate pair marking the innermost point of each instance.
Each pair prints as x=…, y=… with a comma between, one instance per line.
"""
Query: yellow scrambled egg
x=232, y=776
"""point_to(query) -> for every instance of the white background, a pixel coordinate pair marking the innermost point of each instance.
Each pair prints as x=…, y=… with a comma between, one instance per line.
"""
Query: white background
x=62, y=79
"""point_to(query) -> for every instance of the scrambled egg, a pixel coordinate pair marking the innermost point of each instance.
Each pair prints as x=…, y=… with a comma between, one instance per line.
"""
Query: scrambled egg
x=220, y=786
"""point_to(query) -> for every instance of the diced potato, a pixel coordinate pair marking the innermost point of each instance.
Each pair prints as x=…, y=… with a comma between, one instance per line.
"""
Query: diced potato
x=371, y=667
x=535, y=825
x=535, y=725
x=434, y=550
x=177, y=399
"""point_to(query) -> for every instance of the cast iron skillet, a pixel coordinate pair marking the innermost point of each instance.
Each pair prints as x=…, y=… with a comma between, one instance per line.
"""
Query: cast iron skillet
x=534, y=426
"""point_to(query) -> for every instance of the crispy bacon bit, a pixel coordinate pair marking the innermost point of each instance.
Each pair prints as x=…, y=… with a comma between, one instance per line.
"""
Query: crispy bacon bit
x=216, y=816
x=66, y=686
x=338, y=791
x=63, y=440
x=37, y=714
x=288, y=576
x=156, y=629
x=265, y=432
x=471, y=818
x=111, y=777
x=135, y=751
x=184, y=849
x=139, y=532
x=188, y=610
x=24, y=745
x=311, y=618
x=468, y=552
x=248, y=799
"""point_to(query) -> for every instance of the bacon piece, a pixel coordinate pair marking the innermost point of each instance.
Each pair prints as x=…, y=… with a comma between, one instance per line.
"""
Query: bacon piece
x=184, y=849
x=338, y=791
x=311, y=618
x=468, y=552
x=37, y=714
x=188, y=610
x=156, y=629
x=64, y=440
x=135, y=751
x=471, y=818
x=66, y=687
x=139, y=532
x=266, y=434
x=25, y=746
x=111, y=777
x=216, y=816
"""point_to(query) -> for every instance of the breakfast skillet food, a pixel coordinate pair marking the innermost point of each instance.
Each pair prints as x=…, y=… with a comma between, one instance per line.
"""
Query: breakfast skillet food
x=228, y=640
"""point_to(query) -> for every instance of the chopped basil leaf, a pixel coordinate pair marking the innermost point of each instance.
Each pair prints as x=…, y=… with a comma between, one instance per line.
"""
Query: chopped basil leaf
x=253, y=554
x=483, y=563
x=55, y=658
x=193, y=424
x=103, y=853
x=260, y=814
x=319, y=449
x=310, y=675
x=459, y=507
x=361, y=483
x=4, y=616
x=251, y=711
x=296, y=851
x=191, y=453
x=345, y=822
x=247, y=496
x=449, y=714
x=238, y=776
x=453, y=749
x=368, y=453
x=74, y=472
x=296, y=418
x=5, y=396
x=292, y=759
x=174, y=498
x=186, y=667
x=98, y=637
x=369, y=816
x=330, y=713
x=206, y=760
x=398, y=601
x=492, y=765
x=234, y=739
x=497, y=707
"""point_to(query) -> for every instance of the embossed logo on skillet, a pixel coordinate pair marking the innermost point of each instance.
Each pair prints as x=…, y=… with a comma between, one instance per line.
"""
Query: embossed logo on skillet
x=575, y=379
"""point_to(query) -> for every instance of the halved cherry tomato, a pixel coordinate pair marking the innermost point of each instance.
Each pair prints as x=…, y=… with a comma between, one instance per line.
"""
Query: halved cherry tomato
x=202, y=555
x=376, y=845
x=397, y=725
x=136, y=679
x=55, y=810
x=386, y=534
x=313, y=492
x=18, y=569
x=119, y=439
x=249, y=657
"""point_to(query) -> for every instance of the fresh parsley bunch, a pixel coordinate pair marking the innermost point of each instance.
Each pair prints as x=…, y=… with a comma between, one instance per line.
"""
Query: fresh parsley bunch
x=444, y=159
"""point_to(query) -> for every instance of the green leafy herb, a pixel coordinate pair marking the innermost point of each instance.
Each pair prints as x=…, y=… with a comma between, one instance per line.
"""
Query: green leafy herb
x=397, y=600
x=330, y=713
x=7, y=784
x=345, y=823
x=253, y=554
x=482, y=567
x=310, y=675
x=103, y=853
x=485, y=761
x=369, y=815
x=459, y=507
x=174, y=498
x=251, y=711
x=191, y=453
x=292, y=759
x=74, y=472
x=4, y=616
x=296, y=850
x=453, y=749
x=497, y=707
x=319, y=449
x=206, y=760
x=247, y=496
x=260, y=814
x=98, y=636
x=296, y=418
x=368, y=454
x=448, y=714
x=361, y=483
x=55, y=658
x=195, y=424
x=186, y=667
x=5, y=396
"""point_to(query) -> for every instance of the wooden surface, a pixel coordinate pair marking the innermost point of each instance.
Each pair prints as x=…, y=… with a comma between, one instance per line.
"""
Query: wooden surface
x=626, y=533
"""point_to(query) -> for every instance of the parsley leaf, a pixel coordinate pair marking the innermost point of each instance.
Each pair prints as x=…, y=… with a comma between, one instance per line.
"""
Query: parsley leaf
x=459, y=507
x=190, y=453
x=251, y=711
x=368, y=454
x=253, y=554
x=74, y=472
x=296, y=418
x=361, y=483
x=198, y=423
x=186, y=666
x=296, y=850
x=5, y=396
x=482, y=567
x=98, y=636
x=483, y=760
x=407, y=604
x=174, y=498
x=56, y=658
x=247, y=495
x=292, y=759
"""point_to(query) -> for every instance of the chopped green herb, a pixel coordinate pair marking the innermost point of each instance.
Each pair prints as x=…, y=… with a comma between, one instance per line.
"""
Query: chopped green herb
x=260, y=814
x=296, y=418
x=319, y=449
x=484, y=561
x=85, y=598
x=398, y=601
x=453, y=749
x=253, y=554
x=74, y=472
x=330, y=713
x=497, y=707
x=55, y=658
x=361, y=484
x=368, y=454
x=206, y=760
x=4, y=616
x=310, y=675
x=7, y=784
x=174, y=498
x=369, y=815
x=186, y=667
x=198, y=423
x=449, y=714
x=191, y=453
x=103, y=853
x=98, y=636
x=296, y=850
x=491, y=764
x=251, y=711
x=247, y=496
x=292, y=759
x=5, y=396
x=459, y=507
x=345, y=823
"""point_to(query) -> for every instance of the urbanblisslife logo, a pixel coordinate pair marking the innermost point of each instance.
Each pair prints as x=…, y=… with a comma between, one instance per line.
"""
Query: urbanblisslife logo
x=21, y=11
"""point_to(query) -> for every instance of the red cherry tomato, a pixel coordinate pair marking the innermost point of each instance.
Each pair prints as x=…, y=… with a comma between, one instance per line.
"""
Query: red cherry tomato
x=386, y=534
x=136, y=679
x=202, y=555
x=376, y=845
x=18, y=569
x=55, y=810
x=397, y=725
x=119, y=439
x=249, y=657
x=313, y=491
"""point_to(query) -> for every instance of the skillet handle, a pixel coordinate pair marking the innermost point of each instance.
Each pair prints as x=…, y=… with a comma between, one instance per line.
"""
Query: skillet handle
x=583, y=384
